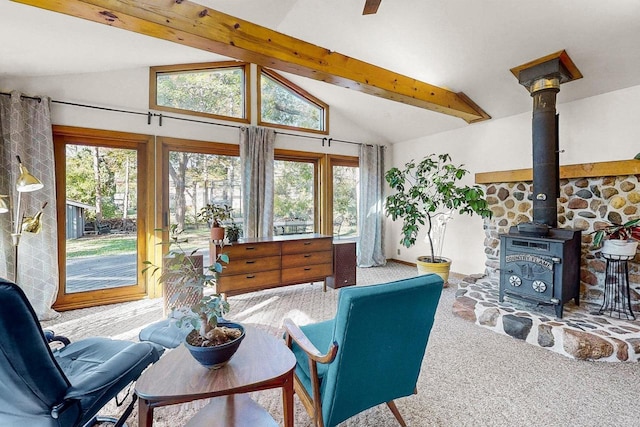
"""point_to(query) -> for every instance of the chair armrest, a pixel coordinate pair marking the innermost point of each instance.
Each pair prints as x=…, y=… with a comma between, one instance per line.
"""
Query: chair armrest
x=293, y=332
x=52, y=337
x=111, y=371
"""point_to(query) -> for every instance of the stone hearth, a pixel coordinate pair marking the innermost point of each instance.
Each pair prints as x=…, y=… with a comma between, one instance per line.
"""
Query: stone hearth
x=581, y=333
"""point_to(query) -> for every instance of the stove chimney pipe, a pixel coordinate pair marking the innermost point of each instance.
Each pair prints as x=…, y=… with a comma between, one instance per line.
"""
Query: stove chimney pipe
x=545, y=151
x=542, y=78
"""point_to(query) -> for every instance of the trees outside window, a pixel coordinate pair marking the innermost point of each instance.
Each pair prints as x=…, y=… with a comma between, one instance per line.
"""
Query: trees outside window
x=217, y=90
x=346, y=180
x=197, y=179
x=101, y=186
x=285, y=105
x=294, y=198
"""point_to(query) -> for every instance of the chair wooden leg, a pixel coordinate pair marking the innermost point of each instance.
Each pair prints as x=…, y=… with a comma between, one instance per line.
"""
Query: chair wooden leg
x=394, y=409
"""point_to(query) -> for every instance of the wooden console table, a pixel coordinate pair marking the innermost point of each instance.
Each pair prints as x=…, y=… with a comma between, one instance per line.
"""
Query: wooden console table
x=262, y=263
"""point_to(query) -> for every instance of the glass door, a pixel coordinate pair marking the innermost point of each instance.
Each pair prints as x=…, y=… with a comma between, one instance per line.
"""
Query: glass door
x=196, y=174
x=101, y=245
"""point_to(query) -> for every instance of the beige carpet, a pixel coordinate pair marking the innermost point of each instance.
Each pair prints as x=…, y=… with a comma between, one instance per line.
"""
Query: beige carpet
x=470, y=375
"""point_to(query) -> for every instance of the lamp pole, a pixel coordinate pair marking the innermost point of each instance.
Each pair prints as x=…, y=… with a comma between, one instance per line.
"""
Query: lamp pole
x=25, y=183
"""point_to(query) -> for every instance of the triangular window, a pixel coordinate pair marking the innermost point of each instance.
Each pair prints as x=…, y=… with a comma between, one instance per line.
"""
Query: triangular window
x=285, y=105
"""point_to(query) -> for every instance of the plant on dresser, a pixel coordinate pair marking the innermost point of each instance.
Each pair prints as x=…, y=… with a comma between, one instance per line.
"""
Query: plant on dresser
x=215, y=214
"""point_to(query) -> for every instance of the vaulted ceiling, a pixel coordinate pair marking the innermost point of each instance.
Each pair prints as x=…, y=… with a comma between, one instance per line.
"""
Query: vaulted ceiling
x=459, y=45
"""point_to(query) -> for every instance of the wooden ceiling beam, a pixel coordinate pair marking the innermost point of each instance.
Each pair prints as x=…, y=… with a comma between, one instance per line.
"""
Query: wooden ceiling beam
x=197, y=26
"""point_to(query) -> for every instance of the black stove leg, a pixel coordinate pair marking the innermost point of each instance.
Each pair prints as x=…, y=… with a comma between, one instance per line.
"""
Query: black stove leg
x=559, y=308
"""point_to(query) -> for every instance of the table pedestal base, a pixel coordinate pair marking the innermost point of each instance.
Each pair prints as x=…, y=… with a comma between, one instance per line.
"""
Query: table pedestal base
x=232, y=411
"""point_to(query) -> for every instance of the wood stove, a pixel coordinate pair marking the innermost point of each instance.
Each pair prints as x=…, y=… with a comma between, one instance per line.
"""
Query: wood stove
x=539, y=262
x=544, y=269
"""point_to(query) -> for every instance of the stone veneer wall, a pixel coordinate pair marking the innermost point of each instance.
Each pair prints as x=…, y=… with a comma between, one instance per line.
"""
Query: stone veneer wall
x=583, y=203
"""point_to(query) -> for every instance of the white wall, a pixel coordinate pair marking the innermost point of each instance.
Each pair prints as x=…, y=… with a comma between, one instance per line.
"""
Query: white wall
x=601, y=128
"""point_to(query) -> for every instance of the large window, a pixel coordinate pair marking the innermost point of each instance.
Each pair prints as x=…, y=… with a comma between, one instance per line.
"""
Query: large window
x=196, y=176
x=119, y=196
x=283, y=104
x=295, y=206
x=346, y=183
x=221, y=90
x=101, y=185
x=217, y=90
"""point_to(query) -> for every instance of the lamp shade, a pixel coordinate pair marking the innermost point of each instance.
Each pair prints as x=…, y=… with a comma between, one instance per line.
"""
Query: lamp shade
x=4, y=208
x=27, y=182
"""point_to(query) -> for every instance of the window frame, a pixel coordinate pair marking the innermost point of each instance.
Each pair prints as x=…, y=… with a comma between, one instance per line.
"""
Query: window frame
x=332, y=160
x=153, y=90
x=143, y=144
x=297, y=90
x=315, y=160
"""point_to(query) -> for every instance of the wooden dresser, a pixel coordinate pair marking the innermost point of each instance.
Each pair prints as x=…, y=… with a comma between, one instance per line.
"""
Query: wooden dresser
x=262, y=263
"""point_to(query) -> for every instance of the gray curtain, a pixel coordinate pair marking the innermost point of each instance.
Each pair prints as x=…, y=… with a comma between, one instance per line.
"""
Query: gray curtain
x=25, y=130
x=256, y=157
x=371, y=222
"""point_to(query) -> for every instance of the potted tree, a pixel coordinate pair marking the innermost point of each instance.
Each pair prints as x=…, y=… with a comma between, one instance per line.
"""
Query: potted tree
x=425, y=190
x=214, y=214
x=618, y=239
x=212, y=340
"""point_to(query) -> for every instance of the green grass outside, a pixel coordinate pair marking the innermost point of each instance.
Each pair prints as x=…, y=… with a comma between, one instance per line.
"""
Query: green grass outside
x=110, y=244
x=117, y=244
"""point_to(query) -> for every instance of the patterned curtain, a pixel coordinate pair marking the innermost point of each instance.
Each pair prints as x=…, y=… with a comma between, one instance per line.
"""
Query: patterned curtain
x=370, y=248
x=256, y=157
x=25, y=131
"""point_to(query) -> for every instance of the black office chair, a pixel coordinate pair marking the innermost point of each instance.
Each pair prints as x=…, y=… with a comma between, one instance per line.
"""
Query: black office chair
x=66, y=386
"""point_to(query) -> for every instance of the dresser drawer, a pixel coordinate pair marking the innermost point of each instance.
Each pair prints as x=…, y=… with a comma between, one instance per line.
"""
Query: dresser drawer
x=309, y=258
x=251, y=265
x=248, y=281
x=306, y=245
x=307, y=273
x=251, y=250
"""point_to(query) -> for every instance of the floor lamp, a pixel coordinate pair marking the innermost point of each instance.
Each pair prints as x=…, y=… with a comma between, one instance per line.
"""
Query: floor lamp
x=26, y=183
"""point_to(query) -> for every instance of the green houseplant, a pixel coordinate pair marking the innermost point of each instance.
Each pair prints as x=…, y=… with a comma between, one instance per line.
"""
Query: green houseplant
x=426, y=189
x=215, y=214
x=204, y=315
x=233, y=231
x=618, y=239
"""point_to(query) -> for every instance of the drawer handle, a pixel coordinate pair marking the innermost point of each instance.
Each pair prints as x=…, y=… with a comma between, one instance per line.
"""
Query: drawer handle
x=250, y=262
x=250, y=248
x=307, y=243
x=251, y=276
x=307, y=268
x=307, y=255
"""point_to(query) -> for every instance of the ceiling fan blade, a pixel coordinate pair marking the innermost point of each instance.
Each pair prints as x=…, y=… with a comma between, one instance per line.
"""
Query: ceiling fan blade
x=371, y=7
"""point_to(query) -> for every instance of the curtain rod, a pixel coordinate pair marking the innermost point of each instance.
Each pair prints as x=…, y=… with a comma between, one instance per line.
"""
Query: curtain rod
x=160, y=116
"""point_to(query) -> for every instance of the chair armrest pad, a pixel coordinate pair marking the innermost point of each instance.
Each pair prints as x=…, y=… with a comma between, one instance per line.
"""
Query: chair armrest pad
x=114, y=369
x=307, y=346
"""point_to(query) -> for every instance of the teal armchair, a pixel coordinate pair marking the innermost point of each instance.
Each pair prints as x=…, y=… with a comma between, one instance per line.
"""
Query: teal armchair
x=369, y=353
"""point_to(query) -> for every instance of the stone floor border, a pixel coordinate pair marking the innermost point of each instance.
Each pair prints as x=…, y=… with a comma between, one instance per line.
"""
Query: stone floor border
x=581, y=334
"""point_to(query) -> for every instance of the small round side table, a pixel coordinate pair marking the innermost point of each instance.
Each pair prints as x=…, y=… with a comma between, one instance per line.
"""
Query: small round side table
x=617, y=296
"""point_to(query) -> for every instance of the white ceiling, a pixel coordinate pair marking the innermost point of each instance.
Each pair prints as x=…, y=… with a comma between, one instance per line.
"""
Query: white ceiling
x=462, y=45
